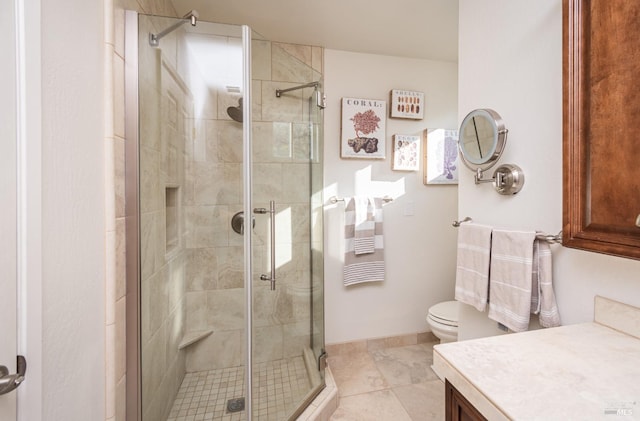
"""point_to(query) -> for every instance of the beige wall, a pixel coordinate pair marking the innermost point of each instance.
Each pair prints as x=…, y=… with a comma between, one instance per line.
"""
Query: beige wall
x=419, y=239
x=520, y=77
x=73, y=213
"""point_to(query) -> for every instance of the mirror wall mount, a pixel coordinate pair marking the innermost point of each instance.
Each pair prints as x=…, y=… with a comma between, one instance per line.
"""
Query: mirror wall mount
x=479, y=177
x=509, y=179
x=482, y=138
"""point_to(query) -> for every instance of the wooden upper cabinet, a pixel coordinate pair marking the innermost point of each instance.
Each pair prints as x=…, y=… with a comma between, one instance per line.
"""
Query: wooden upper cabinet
x=601, y=126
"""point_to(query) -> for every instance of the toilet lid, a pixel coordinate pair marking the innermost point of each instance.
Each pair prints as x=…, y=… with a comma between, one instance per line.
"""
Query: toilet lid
x=445, y=313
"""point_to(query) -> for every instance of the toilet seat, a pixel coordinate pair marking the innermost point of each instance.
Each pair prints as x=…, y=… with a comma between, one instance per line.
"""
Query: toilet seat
x=445, y=313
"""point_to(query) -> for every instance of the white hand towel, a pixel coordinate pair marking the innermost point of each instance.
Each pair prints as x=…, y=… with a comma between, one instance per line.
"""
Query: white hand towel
x=363, y=267
x=472, y=268
x=510, y=278
x=543, y=299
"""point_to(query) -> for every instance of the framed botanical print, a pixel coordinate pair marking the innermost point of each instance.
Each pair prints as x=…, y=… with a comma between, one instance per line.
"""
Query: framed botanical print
x=406, y=152
x=441, y=156
x=363, y=129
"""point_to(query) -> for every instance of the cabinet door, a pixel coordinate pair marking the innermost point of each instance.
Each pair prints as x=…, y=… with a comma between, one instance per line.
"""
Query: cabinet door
x=601, y=116
x=458, y=408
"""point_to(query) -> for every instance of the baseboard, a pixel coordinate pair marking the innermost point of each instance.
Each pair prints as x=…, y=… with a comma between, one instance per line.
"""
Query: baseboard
x=372, y=344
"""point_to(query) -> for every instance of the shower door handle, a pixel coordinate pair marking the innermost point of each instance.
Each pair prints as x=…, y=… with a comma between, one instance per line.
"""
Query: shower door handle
x=272, y=210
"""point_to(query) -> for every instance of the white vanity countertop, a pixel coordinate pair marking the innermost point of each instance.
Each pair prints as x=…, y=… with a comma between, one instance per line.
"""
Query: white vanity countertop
x=579, y=372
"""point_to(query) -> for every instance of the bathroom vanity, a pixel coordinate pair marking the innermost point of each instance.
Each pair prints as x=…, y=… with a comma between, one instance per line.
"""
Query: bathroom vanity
x=582, y=371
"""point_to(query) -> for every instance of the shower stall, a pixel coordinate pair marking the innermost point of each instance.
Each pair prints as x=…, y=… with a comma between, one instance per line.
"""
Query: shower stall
x=224, y=222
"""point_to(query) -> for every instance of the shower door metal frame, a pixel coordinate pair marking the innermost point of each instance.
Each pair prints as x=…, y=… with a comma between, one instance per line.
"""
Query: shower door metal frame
x=132, y=220
x=247, y=164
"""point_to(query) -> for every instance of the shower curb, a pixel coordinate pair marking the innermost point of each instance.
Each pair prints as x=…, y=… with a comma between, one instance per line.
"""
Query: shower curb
x=324, y=405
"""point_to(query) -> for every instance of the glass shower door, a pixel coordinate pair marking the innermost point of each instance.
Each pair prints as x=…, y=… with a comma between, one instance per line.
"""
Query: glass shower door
x=287, y=314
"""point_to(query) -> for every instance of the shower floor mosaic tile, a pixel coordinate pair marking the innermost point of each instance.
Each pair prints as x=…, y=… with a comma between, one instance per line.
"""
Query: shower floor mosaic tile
x=279, y=386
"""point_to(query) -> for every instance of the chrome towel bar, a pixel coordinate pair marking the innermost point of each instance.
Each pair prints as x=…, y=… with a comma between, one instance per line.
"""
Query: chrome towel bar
x=335, y=199
x=549, y=238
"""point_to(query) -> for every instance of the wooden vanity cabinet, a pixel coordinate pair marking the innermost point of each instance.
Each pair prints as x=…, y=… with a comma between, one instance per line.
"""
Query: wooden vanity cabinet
x=601, y=116
x=457, y=407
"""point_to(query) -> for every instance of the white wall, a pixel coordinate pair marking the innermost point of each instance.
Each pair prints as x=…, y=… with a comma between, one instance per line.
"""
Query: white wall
x=515, y=67
x=73, y=211
x=419, y=248
x=30, y=344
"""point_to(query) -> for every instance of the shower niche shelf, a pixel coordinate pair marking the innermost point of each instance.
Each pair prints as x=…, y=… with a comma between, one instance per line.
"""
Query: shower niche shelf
x=192, y=337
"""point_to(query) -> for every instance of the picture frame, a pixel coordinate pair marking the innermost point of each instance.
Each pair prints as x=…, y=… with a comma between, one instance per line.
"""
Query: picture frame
x=406, y=104
x=406, y=152
x=363, y=128
x=441, y=160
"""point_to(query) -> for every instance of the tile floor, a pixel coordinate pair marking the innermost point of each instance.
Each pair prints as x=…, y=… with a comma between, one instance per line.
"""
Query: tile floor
x=279, y=386
x=394, y=384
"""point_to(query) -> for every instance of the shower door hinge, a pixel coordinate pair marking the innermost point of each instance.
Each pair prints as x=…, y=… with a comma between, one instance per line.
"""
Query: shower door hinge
x=322, y=360
x=321, y=99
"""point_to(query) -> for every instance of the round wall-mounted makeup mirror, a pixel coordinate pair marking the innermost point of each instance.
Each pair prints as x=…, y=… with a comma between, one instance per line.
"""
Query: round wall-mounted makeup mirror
x=481, y=139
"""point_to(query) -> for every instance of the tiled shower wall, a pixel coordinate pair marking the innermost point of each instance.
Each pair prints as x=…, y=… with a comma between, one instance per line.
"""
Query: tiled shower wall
x=164, y=129
x=281, y=317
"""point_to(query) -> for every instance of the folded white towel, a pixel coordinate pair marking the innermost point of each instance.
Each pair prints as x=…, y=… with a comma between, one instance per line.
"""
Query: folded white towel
x=510, y=278
x=367, y=266
x=472, y=267
x=543, y=299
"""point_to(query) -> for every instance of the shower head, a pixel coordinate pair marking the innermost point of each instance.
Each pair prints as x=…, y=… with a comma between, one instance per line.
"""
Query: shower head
x=236, y=112
x=191, y=17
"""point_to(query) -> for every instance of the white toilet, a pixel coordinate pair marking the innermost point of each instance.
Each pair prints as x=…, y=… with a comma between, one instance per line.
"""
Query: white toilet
x=443, y=320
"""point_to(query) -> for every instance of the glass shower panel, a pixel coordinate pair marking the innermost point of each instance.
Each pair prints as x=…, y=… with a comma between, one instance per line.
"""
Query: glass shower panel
x=192, y=311
x=286, y=164
x=316, y=136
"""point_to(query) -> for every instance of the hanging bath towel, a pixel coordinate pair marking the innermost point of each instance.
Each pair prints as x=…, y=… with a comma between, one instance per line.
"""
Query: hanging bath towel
x=472, y=267
x=510, y=278
x=363, y=262
x=543, y=299
x=364, y=225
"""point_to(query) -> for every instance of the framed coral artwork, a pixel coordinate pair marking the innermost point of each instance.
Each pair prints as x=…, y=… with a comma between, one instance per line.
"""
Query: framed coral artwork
x=406, y=152
x=363, y=128
x=441, y=156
